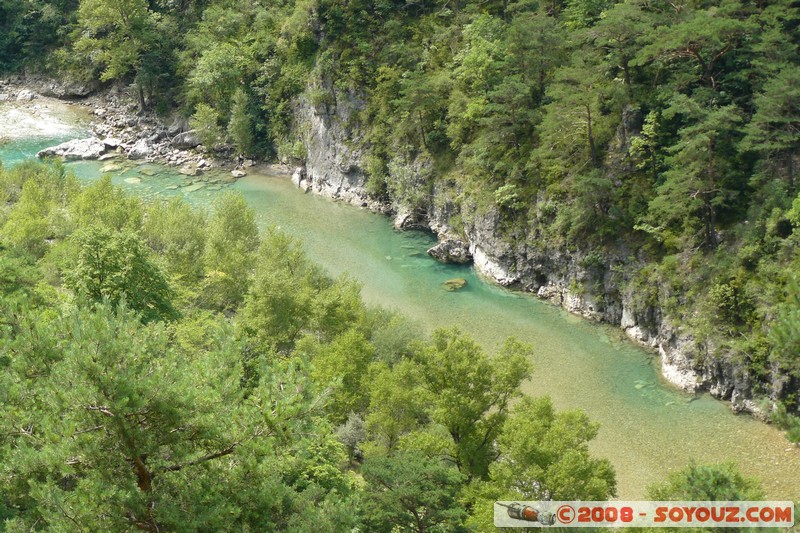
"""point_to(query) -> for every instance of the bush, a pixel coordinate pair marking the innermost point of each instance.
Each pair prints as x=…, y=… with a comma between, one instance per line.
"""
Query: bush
x=205, y=123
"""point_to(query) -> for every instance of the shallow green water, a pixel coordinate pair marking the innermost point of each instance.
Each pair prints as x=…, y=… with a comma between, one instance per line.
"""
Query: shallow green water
x=647, y=427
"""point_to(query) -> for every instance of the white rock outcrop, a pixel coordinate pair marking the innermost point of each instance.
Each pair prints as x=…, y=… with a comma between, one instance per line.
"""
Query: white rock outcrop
x=91, y=148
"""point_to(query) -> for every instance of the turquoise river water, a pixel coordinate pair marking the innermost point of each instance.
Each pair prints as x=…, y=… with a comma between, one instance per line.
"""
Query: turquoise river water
x=647, y=427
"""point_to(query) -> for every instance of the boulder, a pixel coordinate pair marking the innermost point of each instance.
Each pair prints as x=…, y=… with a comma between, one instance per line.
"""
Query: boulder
x=451, y=251
x=140, y=149
x=238, y=173
x=452, y=285
x=300, y=179
x=404, y=219
x=25, y=95
x=187, y=139
x=91, y=148
x=60, y=89
x=298, y=175
x=111, y=142
x=178, y=125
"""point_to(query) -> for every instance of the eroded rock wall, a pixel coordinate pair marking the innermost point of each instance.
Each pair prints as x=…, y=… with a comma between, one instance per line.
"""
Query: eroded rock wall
x=597, y=291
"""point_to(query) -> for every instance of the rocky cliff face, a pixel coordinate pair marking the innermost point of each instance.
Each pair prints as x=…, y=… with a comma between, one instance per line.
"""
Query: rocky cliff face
x=595, y=289
x=601, y=292
x=333, y=166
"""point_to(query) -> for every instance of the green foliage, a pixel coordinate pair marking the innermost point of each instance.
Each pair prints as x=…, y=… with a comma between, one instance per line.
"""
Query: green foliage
x=396, y=405
x=27, y=225
x=585, y=123
x=395, y=338
x=785, y=332
x=205, y=122
x=672, y=129
x=116, y=267
x=214, y=79
x=351, y=434
x=18, y=277
x=545, y=455
x=774, y=130
x=469, y=392
x=176, y=233
x=240, y=126
x=128, y=407
x=409, y=492
x=105, y=205
x=719, y=482
x=788, y=422
x=230, y=252
x=507, y=197
x=279, y=306
x=730, y=304
x=29, y=30
x=129, y=40
x=342, y=364
x=142, y=435
x=693, y=43
x=580, y=98
x=542, y=454
x=113, y=34
x=701, y=181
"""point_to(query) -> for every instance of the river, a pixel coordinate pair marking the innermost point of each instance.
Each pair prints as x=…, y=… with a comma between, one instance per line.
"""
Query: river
x=648, y=428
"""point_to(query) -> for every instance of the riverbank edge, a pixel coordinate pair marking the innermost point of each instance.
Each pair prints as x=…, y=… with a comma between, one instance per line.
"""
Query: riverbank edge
x=122, y=129
x=335, y=168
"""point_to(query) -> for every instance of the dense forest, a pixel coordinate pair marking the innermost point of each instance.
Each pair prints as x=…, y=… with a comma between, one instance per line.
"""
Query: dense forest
x=664, y=132
x=166, y=369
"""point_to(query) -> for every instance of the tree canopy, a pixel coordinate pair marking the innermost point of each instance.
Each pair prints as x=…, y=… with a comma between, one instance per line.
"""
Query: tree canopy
x=215, y=378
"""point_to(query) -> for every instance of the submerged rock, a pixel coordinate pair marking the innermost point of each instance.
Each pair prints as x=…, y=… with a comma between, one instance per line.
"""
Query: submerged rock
x=91, y=148
x=189, y=170
x=451, y=251
x=111, y=167
x=454, y=284
x=194, y=187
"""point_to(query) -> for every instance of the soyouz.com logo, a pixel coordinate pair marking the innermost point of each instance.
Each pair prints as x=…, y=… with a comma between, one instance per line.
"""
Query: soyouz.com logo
x=643, y=514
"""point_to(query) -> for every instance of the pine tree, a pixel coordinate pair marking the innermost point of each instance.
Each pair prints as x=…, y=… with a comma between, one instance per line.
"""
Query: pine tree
x=774, y=130
x=240, y=126
x=700, y=179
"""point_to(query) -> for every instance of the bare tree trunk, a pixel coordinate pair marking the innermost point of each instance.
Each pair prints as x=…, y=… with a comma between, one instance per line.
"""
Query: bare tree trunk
x=140, y=92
